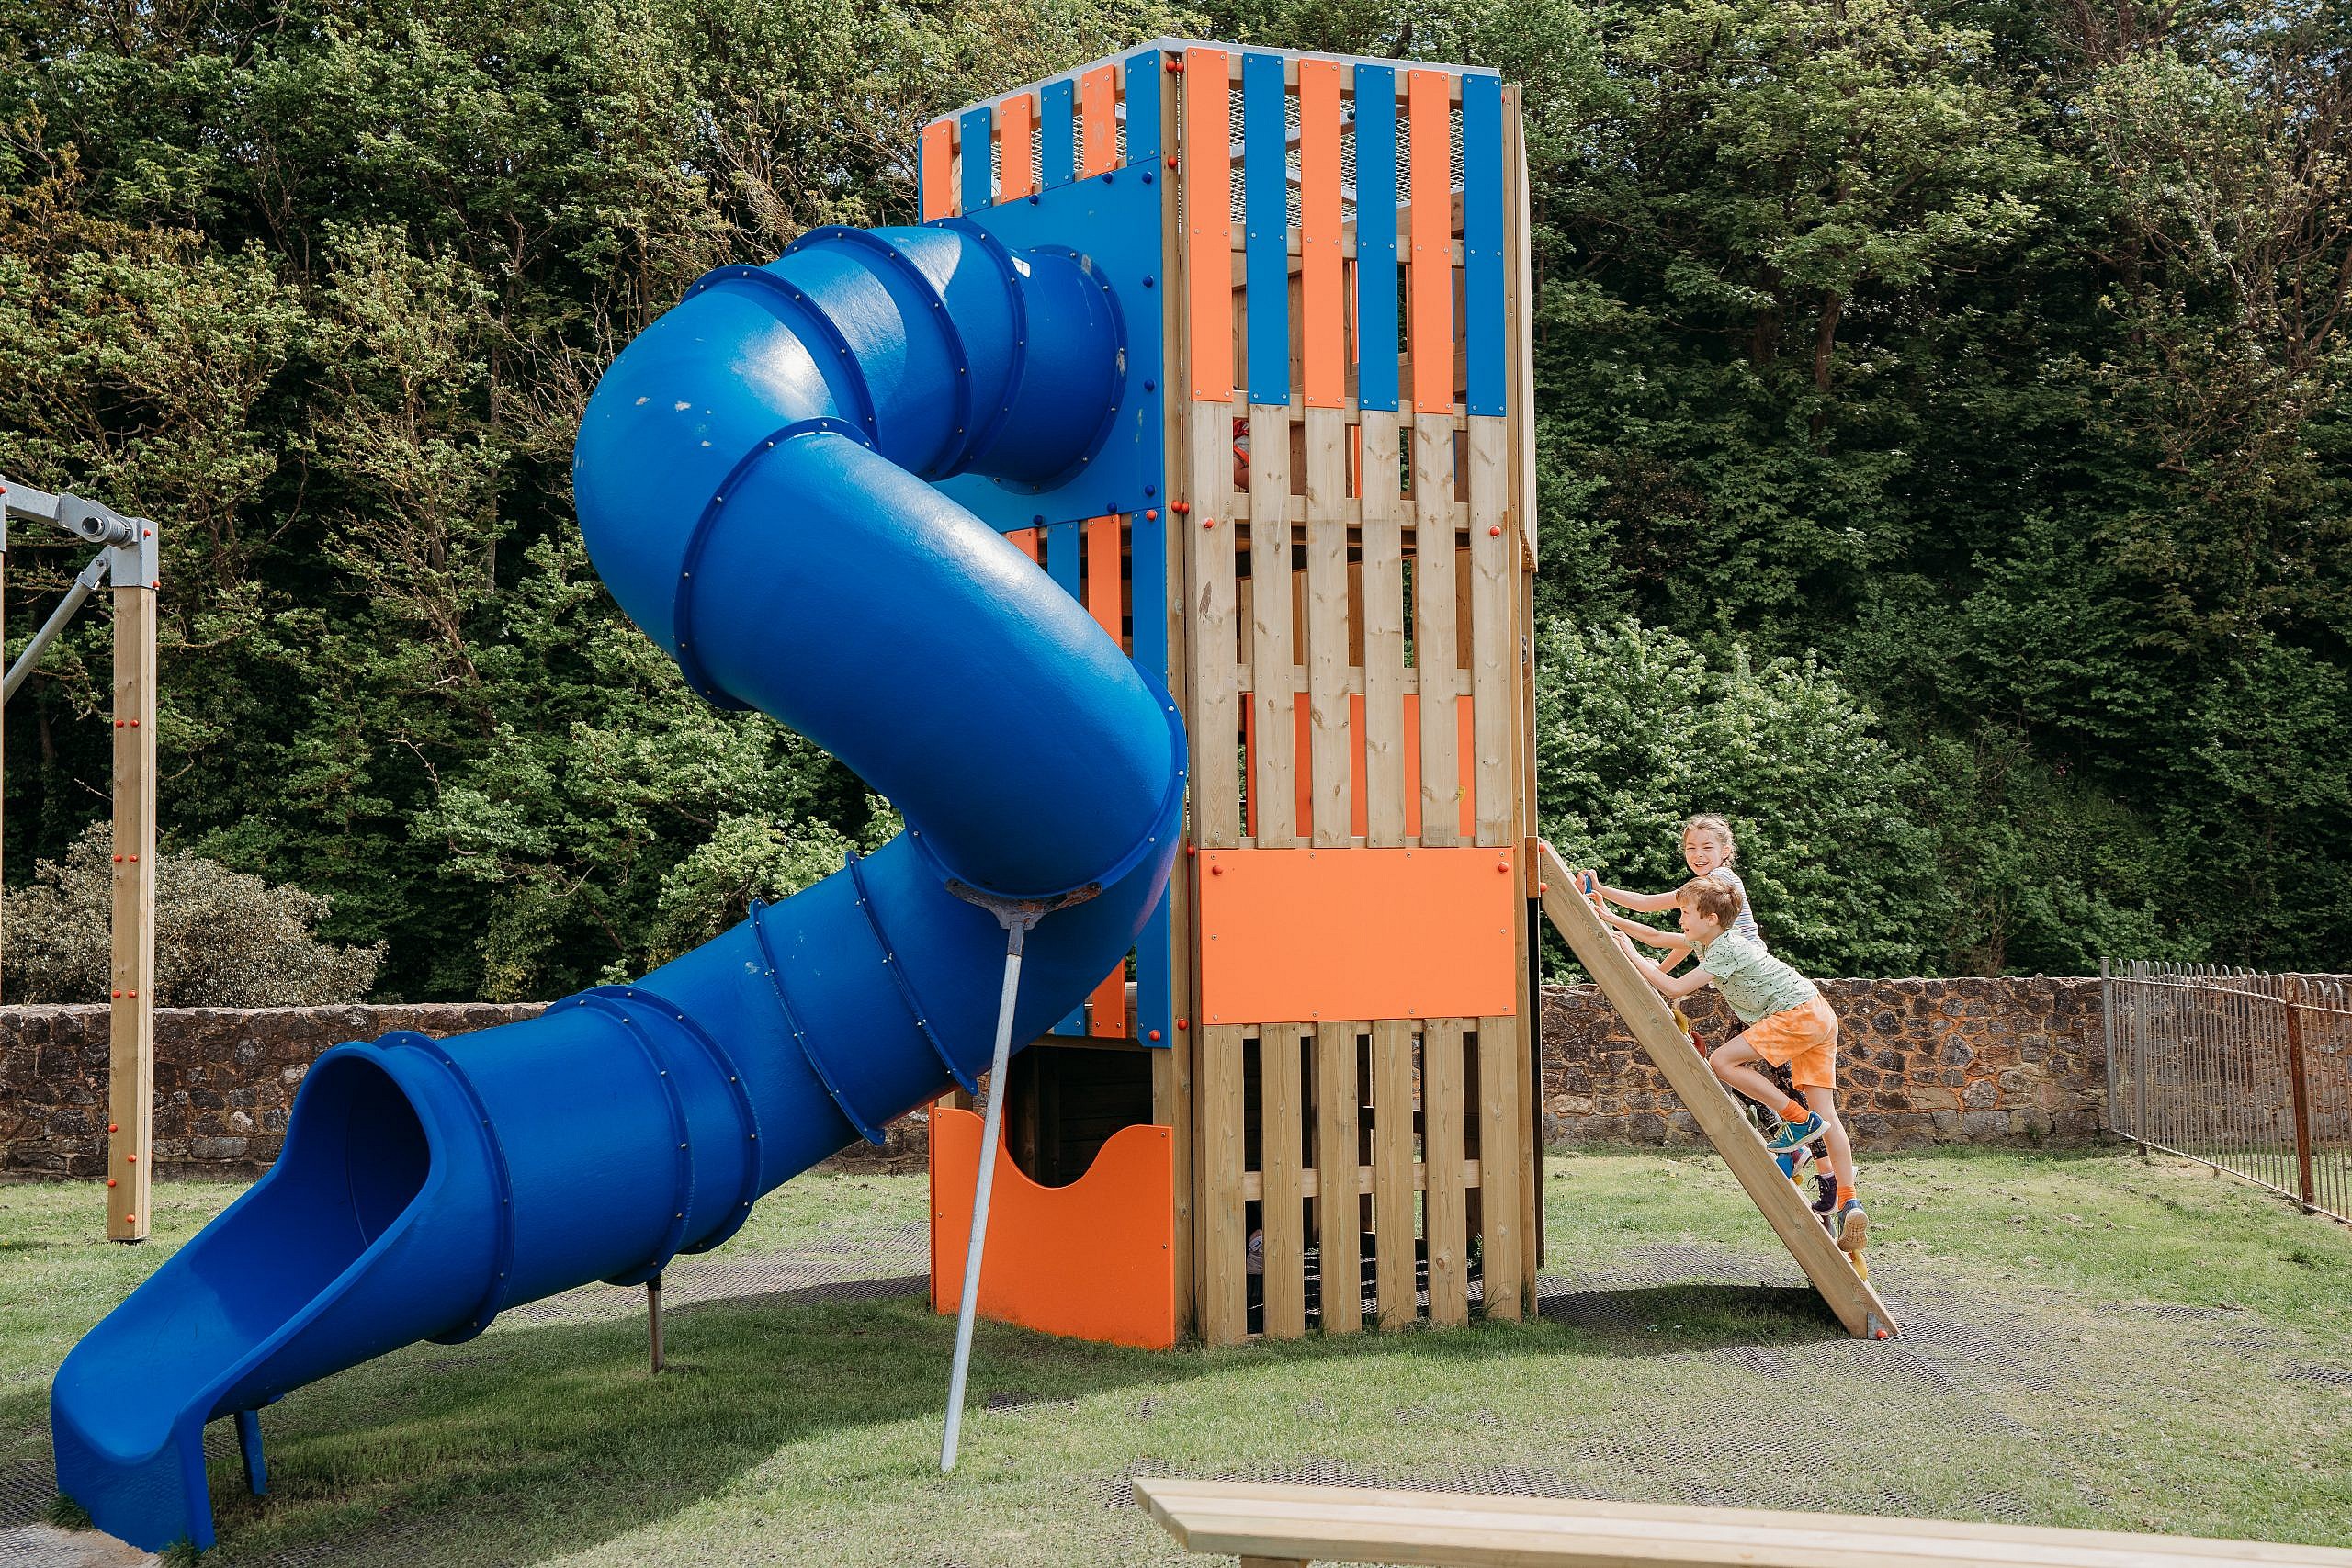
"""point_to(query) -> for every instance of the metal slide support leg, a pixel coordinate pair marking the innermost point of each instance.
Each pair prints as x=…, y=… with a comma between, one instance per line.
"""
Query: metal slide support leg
x=1015, y=928
x=249, y=1447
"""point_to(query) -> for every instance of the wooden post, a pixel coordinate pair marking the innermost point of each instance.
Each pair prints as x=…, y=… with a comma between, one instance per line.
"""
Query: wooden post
x=2296, y=1086
x=654, y=1318
x=131, y=1053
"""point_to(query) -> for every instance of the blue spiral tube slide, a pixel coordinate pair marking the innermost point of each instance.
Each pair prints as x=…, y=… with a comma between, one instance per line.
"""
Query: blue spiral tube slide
x=755, y=478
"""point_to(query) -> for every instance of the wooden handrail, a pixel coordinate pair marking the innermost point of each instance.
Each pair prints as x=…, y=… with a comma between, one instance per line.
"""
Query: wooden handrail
x=1289, y=1527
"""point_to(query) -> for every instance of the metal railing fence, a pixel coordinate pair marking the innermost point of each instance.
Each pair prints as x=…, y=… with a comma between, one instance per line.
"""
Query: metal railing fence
x=2250, y=1074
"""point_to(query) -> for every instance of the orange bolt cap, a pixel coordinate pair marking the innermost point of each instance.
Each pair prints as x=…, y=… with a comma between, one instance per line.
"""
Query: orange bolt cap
x=113, y=1128
x=1183, y=1023
x=1180, y=507
x=132, y=1158
x=131, y=1219
x=1494, y=532
x=1171, y=160
x=117, y=993
x=1152, y=515
x=109, y=1182
x=1216, y=871
x=117, y=860
x=1503, y=866
x=1208, y=522
x=1155, y=1035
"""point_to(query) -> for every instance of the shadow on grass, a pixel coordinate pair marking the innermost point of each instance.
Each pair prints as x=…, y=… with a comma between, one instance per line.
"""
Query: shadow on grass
x=1698, y=1314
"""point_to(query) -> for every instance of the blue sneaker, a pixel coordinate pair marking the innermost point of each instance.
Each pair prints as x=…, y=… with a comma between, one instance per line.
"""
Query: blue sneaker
x=1797, y=1134
x=1853, y=1226
x=1792, y=1163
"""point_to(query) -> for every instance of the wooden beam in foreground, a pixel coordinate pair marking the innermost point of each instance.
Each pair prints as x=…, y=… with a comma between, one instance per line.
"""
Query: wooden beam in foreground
x=1289, y=1527
x=1711, y=1105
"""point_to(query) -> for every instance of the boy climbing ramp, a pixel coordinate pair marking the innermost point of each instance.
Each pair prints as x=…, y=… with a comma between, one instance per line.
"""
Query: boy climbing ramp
x=1789, y=1024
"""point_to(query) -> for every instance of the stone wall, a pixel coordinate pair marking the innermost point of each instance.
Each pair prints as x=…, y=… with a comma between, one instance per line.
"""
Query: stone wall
x=2006, y=1060
x=1921, y=1061
x=225, y=1079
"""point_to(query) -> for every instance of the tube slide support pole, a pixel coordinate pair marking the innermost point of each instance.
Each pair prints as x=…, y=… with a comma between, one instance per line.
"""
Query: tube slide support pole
x=1016, y=927
x=653, y=1317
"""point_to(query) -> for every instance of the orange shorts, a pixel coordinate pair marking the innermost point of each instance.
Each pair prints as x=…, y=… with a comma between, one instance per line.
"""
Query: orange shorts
x=1803, y=1040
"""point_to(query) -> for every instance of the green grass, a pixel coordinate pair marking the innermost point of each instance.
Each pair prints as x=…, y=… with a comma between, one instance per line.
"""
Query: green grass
x=2091, y=1340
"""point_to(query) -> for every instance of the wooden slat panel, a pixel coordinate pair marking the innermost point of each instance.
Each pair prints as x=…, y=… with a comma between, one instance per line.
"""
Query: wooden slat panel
x=1338, y=1161
x=1025, y=540
x=1501, y=1152
x=1282, y=1110
x=1211, y=591
x=1393, y=1217
x=1441, y=1128
x=1434, y=633
x=1208, y=227
x=1430, y=147
x=1385, y=782
x=1493, y=651
x=1225, y=1237
x=1711, y=1105
x=1331, y=747
x=1521, y=464
x=1324, y=298
x=130, y=1053
x=938, y=161
x=1310, y=1182
x=1017, y=140
x=1273, y=779
x=1098, y=121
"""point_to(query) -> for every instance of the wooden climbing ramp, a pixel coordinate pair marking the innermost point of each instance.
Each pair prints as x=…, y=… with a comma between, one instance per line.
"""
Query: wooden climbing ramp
x=1711, y=1104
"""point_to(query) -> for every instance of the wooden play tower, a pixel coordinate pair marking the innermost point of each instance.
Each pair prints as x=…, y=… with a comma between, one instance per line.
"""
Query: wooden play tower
x=1319, y=1073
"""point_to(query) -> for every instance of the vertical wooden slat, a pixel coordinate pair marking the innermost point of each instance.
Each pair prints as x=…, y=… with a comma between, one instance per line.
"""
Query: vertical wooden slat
x=938, y=168
x=1493, y=651
x=1431, y=145
x=1164, y=968
x=1025, y=540
x=1225, y=1239
x=1377, y=343
x=1057, y=133
x=1521, y=422
x=1501, y=1156
x=1485, y=326
x=131, y=1084
x=1098, y=122
x=1337, y=1161
x=1385, y=782
x=1434, y=633
x=1392, y=1170
x=977, y=137
x=1211, y=600
x=1272, y=778
x=1017, y=147
x=1208, y=227
x=1446, y=1220
x=1265, y=179
x=1103, y=577
x=1323, y=295
x=1280, y=1123
x=1330, y=741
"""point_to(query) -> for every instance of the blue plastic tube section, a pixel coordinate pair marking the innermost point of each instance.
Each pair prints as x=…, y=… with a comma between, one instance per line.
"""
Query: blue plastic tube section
x=751, y=479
